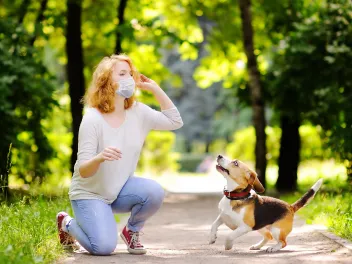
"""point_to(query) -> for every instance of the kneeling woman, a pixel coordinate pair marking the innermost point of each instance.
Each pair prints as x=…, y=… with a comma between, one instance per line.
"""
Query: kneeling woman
x=110, y=140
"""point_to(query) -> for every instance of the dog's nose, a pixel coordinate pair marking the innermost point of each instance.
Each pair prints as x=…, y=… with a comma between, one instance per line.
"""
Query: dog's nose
x=219, y=157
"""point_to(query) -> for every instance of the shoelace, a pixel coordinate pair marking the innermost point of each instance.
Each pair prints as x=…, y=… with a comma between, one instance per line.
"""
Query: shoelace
x=135, y=239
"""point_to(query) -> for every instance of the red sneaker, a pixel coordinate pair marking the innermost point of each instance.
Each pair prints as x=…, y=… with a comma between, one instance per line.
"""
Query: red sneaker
x=131, y=239
x=65, y=238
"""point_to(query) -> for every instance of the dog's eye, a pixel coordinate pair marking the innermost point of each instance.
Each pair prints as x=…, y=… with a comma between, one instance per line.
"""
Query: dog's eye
x=236, y=163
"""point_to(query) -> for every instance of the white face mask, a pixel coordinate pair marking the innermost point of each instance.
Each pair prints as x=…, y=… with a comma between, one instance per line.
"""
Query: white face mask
x=126, y=87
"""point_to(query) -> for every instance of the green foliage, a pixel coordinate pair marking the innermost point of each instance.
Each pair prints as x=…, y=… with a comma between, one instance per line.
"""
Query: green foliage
x=26, y=98
x=313, y=143
x=242, y=146
x=28, y=233
x=311, y=74
x=156, y=156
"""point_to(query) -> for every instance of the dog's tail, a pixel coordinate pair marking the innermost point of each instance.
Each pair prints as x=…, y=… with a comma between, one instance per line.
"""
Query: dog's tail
x=307, y=197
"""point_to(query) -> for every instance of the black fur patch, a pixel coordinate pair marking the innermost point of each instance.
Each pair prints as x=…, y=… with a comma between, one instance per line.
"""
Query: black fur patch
x=268, y=210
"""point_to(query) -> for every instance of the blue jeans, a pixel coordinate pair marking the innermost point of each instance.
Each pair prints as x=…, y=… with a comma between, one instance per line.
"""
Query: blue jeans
x=94, y=226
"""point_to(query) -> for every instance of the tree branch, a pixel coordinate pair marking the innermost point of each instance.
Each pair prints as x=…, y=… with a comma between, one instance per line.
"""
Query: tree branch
x=38, y=21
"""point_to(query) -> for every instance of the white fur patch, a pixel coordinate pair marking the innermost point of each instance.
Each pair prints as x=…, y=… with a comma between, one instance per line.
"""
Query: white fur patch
x=317, y=185
x=276, y=233
x=231, y=184
x=231, y=218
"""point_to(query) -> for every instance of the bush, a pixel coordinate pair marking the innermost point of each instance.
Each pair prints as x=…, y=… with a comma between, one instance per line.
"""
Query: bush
x=243, y=144
x=26, y=98
x=189, y=161
x=157, y=156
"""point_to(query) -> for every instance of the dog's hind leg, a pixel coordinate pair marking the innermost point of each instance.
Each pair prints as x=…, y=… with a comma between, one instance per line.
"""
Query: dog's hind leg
x=266, y=237
x=280, y=231
x=214, y=229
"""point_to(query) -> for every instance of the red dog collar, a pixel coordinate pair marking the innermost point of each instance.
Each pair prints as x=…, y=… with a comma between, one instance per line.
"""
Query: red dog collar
x=235, y=195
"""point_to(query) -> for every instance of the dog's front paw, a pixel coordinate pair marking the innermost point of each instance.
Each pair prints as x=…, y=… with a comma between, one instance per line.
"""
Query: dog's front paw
x=272, y=249
x=255, y=247
x=212, y=239
x=228, y=244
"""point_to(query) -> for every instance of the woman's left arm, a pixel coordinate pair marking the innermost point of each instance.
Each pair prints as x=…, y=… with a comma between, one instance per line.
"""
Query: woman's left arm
x=169, y=118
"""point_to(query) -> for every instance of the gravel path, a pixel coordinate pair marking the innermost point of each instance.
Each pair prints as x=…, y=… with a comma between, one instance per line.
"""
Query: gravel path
x=178, y=233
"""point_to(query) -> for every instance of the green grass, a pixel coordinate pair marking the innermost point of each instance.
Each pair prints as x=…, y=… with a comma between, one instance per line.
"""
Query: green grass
x=331, y=207
x=28, y=232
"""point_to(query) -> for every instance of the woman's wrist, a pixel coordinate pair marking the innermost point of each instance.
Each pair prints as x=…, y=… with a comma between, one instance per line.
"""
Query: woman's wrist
x=155, y=88
x=99, y=158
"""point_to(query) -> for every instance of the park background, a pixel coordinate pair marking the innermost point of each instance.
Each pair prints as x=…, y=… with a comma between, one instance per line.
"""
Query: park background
x=267, y=82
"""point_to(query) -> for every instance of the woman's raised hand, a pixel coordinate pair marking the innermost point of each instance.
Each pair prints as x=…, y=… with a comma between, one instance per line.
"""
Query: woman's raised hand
x=147, y=84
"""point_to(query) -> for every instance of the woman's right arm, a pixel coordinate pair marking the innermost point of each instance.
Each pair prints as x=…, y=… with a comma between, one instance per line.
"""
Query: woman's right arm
x=89, y=159
x=90, y=167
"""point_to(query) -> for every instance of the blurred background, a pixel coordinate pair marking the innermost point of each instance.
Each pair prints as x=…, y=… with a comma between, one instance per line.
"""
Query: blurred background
x=269, y=84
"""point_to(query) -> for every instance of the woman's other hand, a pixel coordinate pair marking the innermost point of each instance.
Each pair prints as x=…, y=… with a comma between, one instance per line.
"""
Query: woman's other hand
x=110, y=154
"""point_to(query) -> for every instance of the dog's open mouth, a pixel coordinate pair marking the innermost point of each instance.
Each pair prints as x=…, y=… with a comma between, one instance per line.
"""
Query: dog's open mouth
x=220, y=168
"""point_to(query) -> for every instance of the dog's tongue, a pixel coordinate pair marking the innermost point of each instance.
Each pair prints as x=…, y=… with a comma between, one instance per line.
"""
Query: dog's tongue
x=219, y=167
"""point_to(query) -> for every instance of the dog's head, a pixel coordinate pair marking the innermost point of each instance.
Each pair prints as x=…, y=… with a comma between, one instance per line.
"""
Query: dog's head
x=238, y=172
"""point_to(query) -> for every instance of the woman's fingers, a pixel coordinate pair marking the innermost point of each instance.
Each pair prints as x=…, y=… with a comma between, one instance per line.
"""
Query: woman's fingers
x=115, y=149
x=112, y=154
x=145, y=78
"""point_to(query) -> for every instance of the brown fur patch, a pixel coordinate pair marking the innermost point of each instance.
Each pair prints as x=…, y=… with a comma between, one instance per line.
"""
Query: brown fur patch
x=266, y=233
x=243, y=176
x=248, y=217
x=253, y=180
x=237, y=205
x=268, y=210
x=285, y=226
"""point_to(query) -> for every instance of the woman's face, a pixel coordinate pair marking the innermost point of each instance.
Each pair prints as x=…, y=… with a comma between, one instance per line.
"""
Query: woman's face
x=122, y=70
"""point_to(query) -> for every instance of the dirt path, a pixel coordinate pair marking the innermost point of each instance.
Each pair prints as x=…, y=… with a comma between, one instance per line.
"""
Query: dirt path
x=178, y=233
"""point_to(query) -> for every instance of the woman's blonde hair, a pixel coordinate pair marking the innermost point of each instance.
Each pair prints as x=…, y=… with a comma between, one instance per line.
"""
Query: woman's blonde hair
x=101, y=93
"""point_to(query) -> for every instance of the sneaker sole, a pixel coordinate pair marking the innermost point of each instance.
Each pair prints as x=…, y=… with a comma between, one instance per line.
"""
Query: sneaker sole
x=131, y=250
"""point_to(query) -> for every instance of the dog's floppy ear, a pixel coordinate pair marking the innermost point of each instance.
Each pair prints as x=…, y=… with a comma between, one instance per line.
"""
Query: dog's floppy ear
x=253, y=180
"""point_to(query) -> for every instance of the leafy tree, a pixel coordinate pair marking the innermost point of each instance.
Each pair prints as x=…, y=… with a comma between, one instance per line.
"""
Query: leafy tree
x=26, y=91
x=310, y=80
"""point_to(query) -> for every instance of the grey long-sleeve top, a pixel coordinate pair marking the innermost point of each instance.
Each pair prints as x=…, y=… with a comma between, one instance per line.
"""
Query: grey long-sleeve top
x=95, y=134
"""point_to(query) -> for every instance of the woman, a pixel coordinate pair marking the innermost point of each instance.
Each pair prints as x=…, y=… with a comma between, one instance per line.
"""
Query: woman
x=110, y=140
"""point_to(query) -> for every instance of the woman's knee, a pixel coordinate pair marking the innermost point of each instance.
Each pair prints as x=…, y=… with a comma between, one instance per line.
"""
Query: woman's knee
x=104, y=247
x=156, y=194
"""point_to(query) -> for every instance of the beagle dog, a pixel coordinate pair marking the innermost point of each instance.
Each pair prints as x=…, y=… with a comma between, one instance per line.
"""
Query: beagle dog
x=243, y=210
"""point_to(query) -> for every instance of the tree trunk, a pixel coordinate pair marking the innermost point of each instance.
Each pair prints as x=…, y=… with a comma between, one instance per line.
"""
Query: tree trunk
x=256, y=90
x=75, y=69
x=23, y=10
x=120, y=15
x=290, y=145
x=207, y=144
x=188, y=146
x=39, y=19
x=5, y=166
